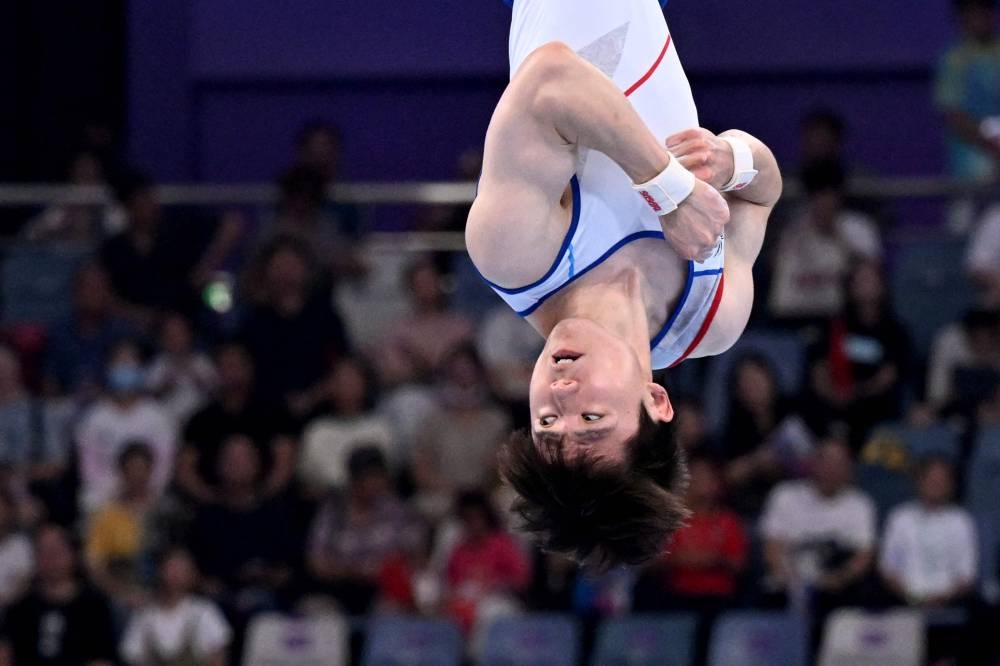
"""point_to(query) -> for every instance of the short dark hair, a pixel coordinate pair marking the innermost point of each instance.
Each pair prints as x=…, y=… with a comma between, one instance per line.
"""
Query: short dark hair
x=135, y=449
x=364, y=460
x=477, y=500
x=599, y=513
x=827, y=118
x=823, y=175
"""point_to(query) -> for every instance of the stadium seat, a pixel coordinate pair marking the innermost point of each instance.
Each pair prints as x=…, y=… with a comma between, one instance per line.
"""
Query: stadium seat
x=646, y=640
x=406, y=641
x=37, y=282
x=786, y=353
x=278, y=640
x=749, y=638
x=928, y=268
x=854, y=637
x=531, y=640
x=887, y=487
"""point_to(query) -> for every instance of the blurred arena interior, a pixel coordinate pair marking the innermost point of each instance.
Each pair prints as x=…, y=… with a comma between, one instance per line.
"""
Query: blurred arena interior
x=252, y=388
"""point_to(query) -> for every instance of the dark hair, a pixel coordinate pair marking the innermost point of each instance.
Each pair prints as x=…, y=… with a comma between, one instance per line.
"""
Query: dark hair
x=827, y=118
x=130, y=183
x=364, y=460
x=599, y=513
x=822, y=176
x=311, y=128
x=753, y=358
x=303, y=181
x=135, y=449
x=477, y=500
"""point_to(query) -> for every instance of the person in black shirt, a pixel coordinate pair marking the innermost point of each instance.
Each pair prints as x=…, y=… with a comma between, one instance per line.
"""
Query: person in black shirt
x=60, y=622
x=236, y=410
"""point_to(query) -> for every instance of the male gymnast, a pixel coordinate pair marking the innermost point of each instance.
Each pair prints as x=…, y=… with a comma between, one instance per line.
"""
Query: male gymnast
x=600, y=219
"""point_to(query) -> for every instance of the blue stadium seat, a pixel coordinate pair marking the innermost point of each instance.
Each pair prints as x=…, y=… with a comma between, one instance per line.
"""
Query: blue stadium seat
x=988, y=437
x=932, y=269
x=404, y=641
x=647, y=640
x=786, y=353
x=532, y=640
x=749, y=638
x=887, y=487
x=37, y=282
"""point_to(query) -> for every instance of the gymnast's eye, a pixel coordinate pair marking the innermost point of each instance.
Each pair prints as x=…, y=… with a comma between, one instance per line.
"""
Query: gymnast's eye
x=546, y=421
x=590, y=418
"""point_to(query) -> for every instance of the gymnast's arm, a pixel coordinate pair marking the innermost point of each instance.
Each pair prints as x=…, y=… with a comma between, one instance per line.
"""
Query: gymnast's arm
x=556, y=103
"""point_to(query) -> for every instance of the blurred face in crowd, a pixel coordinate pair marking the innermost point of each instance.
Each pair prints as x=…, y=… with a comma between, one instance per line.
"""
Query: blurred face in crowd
x=144, y=209
x=475, y=525
x=825, y=205
x=936, y=484
x=86, y=169
x=11, y=384
x=705, y=484
x=347, y=387
x=175, y=336
x=54, y=555
x=689, y=424
x=92, y=291
x=235, y=369
x=866, y=286
x=832, y=468
x=178, y=574
x=755, y=388
x=425, y=287
x=978, y=21
x=7, y=514
x=239, y=463
x=370, y=486
x=287, y=273
x=820, y=140
x=320, y=150
x=136, y=472
x=125, y=374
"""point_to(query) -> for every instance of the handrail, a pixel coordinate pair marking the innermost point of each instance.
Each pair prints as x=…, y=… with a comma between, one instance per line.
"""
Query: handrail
x=435, y=193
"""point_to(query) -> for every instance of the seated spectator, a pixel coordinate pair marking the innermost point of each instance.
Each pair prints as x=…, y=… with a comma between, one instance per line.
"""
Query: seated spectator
x=860, y=362
x=17, y=417
x=509, y=347
x=354, y=535
x=60, y=621
x=420, y=341
x=244, y=543
x=972, y=346
x=79, y=345
x=236, y=410
x=982, y=261
x=487, y=572
x=815, y=252
x=691, y=426
x=178, y=627
x=463, y=454
x=80, y=224
x=319, y=147
x=292, y=332
x=821, y=138
x=347, y=421
x=702, y=565
x=16, y=556
x=820, y=533
x=181, y=377
x=928, y=555
x=764, y=441
x=117, y=542
x=121, y=416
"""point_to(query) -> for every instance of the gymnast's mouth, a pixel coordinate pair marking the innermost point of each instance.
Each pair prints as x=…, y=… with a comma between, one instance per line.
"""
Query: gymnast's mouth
x=565, y=357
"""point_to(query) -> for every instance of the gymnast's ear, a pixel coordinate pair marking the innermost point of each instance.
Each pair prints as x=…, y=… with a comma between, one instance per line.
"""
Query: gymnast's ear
x=657, y=403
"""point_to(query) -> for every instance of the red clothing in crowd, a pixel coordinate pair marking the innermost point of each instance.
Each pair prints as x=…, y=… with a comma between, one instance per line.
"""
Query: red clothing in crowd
x=718, y=533
x=492, y=565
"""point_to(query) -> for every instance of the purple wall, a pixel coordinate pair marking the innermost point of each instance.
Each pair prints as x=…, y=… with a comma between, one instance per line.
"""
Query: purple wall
x=218, y=88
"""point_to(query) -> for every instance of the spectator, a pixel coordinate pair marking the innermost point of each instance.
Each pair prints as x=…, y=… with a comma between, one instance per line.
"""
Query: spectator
x=178, y=627
x=928, y=555
x=16, y=416
x=79, y=345
x=815, y=252
x=820, y=533
x=765, y=441
x=967, y=94
x=356, y=534
x=971, y=347
x=691, y=426
x=179, y=376
x=509, y=347
x=293, y=333
x=982, y=260
x=347, y=422
x=118, y=544
x=703, y=564
x=60, y=622
x=487, y=572
x=236, y=410
x=16, y=556
x=421, y=340
x=463, y=454
x=123, y=415
x=243, y=543
x=74, y=223
x=821, y=137
x=859, y=365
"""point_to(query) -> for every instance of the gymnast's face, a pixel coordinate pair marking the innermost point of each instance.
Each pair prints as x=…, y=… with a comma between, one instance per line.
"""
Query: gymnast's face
x=587, y=388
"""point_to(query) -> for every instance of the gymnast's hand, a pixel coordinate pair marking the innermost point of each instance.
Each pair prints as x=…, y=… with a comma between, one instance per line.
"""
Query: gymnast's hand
x=705, y=155
x=693, y=229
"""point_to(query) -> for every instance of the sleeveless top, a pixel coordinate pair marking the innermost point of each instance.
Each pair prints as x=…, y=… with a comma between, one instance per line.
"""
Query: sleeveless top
x=629, y=41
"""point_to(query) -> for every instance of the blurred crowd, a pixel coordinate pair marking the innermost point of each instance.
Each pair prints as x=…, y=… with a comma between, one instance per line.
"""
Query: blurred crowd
x=205, y=436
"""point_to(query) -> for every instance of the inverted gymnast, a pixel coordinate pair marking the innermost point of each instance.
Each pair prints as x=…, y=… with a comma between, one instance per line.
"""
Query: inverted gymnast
x=625, y=235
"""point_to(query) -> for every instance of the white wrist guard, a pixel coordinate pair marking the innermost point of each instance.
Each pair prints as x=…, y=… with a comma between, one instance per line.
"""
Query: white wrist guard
x=669, y=189
x=743, y=171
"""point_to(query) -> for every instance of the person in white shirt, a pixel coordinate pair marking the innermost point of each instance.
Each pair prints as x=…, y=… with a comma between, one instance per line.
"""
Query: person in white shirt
x=122, y=416
x=929, y=553
x=178, y=627
x=819, y=533
x=17, y=559
x=982, y=259
x=180, y=376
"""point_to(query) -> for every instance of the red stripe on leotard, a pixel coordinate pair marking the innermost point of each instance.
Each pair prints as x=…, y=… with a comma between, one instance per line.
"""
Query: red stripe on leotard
x=645, y=77
x=708, y=322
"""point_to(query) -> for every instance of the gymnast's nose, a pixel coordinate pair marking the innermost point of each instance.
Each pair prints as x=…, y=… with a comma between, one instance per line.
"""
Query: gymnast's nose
x=563, y=387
